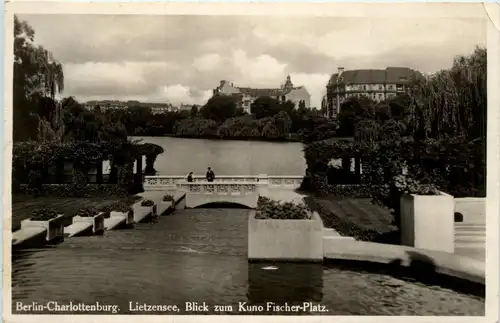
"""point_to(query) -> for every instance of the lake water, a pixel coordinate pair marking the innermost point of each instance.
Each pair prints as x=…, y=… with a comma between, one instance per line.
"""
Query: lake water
x=199, y=255
x=227, y=157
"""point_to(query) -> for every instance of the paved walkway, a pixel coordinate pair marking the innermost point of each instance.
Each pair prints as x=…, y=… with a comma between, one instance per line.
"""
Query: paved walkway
x=470, y=239
x=443, y=262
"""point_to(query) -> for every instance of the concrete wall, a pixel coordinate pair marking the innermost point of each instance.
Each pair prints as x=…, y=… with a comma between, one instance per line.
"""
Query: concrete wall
x=427, y=222
x=473, y=209
x=300, y=240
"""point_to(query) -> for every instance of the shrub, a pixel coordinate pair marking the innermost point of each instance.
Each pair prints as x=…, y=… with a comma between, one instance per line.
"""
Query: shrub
x=168, y=198
x=147, y=203
x=87, y=212
x=352, y=226
x=269, y=209
x=68, y=190
x=43, y=215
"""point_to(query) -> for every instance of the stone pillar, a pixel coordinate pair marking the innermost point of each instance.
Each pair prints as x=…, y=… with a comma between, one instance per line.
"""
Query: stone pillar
x=99, y=172
x=346, y=164
x=60, y=172
x=357, y=168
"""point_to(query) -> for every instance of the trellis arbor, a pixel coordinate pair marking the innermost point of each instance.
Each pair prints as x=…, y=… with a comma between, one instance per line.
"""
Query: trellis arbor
x=35, y=164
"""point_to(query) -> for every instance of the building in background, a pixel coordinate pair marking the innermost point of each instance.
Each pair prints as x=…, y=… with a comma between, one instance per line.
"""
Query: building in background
x=377, y=85
x=245, y=95
x=156, y=108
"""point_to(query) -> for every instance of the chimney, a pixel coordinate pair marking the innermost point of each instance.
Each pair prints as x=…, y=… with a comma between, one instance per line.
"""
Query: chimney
x=340, y=70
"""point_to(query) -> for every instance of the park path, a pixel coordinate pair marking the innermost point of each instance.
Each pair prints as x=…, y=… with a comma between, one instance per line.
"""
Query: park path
x=470, y=239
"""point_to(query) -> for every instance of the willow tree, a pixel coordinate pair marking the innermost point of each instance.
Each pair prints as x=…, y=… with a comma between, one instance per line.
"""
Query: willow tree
x=453, y=102
x=37, y=77
x=452, y=105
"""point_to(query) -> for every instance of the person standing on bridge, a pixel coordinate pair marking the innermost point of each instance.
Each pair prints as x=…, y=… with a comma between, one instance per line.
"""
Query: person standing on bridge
x=210, y=175
x=190, y=177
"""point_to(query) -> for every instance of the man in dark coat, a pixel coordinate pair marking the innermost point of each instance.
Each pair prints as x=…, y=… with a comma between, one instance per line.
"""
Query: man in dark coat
x=210, y=175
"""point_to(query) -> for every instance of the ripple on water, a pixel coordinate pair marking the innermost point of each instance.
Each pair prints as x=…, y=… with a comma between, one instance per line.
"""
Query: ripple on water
x=200, y=255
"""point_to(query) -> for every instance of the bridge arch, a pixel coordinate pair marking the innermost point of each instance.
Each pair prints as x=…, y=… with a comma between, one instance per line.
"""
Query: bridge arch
x=223, y=205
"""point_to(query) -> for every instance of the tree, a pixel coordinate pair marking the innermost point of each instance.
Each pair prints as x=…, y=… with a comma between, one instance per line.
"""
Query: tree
x=37, y=76
x=219, y=108
x=352, y=111
x=194, y=111
x=264, y=107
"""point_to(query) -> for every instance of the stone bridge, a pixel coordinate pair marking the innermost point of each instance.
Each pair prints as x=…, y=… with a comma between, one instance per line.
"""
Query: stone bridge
x=243, y=190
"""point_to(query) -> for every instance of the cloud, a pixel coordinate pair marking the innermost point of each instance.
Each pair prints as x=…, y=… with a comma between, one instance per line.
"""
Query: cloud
x=181, y=58
x=207, y=62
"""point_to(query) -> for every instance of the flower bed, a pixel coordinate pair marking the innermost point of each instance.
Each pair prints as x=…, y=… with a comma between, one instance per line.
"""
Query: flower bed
x=43, y=215
x=147, y=203
x=269, y=209
x=86, y=212
x=284, y=231
x=168, y=198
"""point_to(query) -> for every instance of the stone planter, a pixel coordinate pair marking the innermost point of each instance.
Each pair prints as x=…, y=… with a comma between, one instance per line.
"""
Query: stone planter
x=97, y=222
x=165, y=206
x=286, y=240
x=427, y=222
x=141, y=213
x=129, y=217
x=54, y=227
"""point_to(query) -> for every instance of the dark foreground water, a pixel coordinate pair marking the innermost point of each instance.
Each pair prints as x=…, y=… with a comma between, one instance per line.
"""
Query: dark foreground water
x=199, y=255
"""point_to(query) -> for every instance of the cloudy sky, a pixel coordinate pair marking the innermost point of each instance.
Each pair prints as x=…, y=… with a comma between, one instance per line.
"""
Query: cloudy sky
x=180, y=59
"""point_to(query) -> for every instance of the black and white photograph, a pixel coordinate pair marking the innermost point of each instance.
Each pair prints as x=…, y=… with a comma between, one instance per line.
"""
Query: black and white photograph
x=267, y=160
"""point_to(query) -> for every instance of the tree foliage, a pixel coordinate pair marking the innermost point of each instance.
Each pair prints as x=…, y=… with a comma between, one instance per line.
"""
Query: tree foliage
x=431, y=139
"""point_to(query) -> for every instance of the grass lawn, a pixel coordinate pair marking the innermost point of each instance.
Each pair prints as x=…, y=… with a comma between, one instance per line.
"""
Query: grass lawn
x=356, y=217
x=23, y=205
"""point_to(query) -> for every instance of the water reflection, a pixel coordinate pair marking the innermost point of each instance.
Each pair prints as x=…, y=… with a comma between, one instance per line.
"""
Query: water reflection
x=274, y=285
x=200, y=255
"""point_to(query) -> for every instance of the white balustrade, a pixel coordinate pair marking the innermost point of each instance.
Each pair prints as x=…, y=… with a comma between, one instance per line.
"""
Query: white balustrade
x=291, y=182
x=169, y=182
x=218, y=188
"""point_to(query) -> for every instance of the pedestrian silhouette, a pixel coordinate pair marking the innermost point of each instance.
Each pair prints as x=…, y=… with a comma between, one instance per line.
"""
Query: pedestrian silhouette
x=210, y=175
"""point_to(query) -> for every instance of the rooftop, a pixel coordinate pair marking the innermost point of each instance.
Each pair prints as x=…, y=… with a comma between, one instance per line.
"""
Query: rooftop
x=395, y=75
x=265, y=92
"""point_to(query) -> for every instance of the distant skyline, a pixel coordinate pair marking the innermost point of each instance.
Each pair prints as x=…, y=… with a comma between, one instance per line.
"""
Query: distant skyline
x=180, y=59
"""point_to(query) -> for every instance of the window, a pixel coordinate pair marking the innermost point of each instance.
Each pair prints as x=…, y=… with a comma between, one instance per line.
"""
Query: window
x=380, y=87
x=364, y=87
x=283, y=98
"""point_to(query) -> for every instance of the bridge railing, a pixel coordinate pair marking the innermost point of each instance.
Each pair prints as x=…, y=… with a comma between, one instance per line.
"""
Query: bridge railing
x=159, y=182
x=218, y=188
x=292, y=182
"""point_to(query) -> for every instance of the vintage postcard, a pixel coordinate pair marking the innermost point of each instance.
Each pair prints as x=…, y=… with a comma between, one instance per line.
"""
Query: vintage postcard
x=203, y=161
